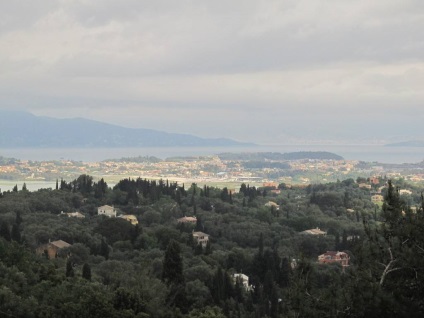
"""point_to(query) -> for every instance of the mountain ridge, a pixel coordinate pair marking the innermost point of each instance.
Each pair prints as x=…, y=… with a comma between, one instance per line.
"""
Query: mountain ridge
x=22, y=129
x=409, y=143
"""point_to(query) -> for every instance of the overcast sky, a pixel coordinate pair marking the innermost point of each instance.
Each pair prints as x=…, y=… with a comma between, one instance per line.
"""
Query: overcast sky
x=262, y=71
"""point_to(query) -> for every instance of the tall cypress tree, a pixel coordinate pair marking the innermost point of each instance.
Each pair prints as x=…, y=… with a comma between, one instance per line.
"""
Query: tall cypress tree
x=69, y=269
x=172, y=275
x=4, y=231
x=104, y=249
x=86, y=271
x=173, y=264
x=15, y=234
x=18, y=219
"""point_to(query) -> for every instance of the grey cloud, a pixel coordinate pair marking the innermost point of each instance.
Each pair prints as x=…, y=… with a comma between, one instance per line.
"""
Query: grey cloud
x=269, y=67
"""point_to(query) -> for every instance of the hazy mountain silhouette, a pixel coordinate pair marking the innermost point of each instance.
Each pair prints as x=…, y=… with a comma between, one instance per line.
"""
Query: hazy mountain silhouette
x=409, y=143
x=23, y=129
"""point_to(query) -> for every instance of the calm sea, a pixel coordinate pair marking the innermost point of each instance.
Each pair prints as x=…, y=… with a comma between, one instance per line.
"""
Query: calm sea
x=356, y=152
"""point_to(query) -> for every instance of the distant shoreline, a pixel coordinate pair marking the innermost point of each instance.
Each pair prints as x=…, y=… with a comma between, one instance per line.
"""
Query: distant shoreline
x=412, y=143
x=368, y=153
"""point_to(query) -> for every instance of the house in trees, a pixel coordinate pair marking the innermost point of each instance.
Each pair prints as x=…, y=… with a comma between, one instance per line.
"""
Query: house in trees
x=107, y=210
x=365, y=186
x=201, y=238
x=130, y=218
x=374, y=180
x=188, y=219
x=334, y=257
x=272, y=185
x=243, y=280
x=405, y=191
x=73, y=215
x=271, y=204
x=53, y=249
x=377, y=198
x=316, y=231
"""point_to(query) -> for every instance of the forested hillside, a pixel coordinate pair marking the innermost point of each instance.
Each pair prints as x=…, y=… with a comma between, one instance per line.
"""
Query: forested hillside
x=157, y=268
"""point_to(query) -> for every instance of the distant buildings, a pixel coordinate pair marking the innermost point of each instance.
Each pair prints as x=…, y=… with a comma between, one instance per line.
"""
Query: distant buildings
x=73, y=215
x=272, y=204
x=243, y=280
x=273, y=185
x=365, y=186
x=187, y=219
x=52, y=249
x=201, y=238
x=375, y=180
x=334, y=257
x=107, y=210
x=377, y=198
x=130, y=218
x=316, y=231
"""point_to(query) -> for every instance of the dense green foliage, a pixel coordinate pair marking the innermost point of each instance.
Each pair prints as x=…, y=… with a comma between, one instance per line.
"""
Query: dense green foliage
x=156, y=269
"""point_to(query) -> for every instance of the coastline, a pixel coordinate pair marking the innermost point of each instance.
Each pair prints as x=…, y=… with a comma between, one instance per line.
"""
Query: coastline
x=367, y=153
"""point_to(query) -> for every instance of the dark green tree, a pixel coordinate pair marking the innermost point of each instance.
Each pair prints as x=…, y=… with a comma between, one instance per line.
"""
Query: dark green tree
x=173, y=264
x=69, y=269
x=5, y=231
x=18, y=219
x=128, y=301
x=172, y=275
x=390, y=262
x=15, y=234
x=104, y=249
x=86, y=271
x=208, y=248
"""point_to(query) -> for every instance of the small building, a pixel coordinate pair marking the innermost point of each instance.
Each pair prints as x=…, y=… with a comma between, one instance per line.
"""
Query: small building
x=316, y=231
x=375, y=180
x=243, y=280
x=334, y=257
x=130, y=218
x=377, y=198
x=73, y=215
x=271, y=204
x=365, y=186
x=53, y=249
x=405, y=191
x=107, y=210
x=188, y=219
x=272, y=185
x=201, y=238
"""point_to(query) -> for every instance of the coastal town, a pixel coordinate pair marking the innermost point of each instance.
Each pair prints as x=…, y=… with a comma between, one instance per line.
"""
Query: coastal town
x=217, y=170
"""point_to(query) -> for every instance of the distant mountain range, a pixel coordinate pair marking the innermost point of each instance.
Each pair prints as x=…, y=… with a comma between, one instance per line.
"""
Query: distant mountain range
x=21, y=129
x=410, y=143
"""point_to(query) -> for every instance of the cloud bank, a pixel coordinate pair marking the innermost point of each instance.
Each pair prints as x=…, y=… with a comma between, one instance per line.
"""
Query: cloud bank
x=270, y=72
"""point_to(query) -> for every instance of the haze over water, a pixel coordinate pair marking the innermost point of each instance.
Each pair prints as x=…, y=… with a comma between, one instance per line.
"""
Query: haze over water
x=368, y=153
